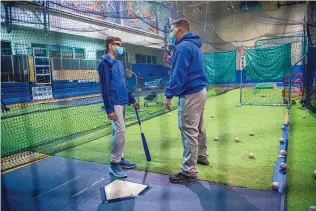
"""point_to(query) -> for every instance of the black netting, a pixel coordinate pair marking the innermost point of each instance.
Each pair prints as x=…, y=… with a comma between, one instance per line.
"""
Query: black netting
x=310, y=70
x=50, y=51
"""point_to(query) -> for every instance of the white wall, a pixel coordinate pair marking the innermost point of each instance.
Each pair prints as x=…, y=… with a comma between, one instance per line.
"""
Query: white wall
x=23, y=37
x=132, y=50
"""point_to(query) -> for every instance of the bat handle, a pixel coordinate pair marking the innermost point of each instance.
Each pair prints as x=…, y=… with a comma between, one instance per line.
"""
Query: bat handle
x=137, y=116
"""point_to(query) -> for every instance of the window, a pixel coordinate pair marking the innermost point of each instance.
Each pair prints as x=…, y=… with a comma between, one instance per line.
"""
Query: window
x=124, y=57
x=79, y=53
x=54, y=54
x=143, y=59
x=40, y=52
x=146, y=59
x=57, y=51
x=100, y=53
x=154, y=60
x=138, y=58
x=149, y=60
x=67, y=54
x=6, y=48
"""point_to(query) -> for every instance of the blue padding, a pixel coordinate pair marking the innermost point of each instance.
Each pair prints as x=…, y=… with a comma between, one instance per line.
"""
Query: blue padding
x=280, y=175
x=73, y=94
x=280, y=84
x=9, y=95
x=15, y=92
x=298, y=68
x=73, y=81
x=65, y=88
x=74, y=85
x=149, y=72
x=238, y=75
x=84, y=89
x=14, y=84
x=16, y=100
x=145, y=70
x=15, y=89
x=263, y=81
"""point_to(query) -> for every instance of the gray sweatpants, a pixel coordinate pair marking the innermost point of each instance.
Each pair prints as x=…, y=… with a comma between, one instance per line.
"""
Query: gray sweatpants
x=191, y=125
x=118, y=134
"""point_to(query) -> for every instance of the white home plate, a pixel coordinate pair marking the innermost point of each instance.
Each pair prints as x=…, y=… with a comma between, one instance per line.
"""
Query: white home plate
x=119, y=189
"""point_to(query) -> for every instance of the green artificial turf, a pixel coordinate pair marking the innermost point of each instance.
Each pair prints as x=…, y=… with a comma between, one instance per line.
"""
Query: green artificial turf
x=262, y=96
x=54, y=127
x=301, y=186
x=229, y=162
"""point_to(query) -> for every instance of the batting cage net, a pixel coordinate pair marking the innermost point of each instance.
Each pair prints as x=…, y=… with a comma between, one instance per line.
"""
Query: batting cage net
x=50, y=51
x=273, y=71
x=309, y=74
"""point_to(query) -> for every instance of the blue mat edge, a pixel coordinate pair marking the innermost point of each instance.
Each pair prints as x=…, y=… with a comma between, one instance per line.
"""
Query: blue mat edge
x=280, y=175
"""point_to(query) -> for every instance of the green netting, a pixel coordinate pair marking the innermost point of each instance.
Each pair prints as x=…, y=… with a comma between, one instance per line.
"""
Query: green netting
x=278, y=60
x=53, y=127
x=268, y=63
x=220, y=67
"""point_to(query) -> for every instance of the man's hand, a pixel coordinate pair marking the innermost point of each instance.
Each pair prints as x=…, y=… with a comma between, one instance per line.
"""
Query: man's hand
x=166, y=58
x=136, y=105
x=168, y=104
x=112, y=116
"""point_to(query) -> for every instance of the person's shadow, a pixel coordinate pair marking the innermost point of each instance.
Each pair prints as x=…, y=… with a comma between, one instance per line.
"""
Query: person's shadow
x=220, y=198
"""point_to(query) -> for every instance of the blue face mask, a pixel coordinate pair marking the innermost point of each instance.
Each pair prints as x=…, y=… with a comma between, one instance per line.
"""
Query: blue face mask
x=119, y=51
x=172, y=39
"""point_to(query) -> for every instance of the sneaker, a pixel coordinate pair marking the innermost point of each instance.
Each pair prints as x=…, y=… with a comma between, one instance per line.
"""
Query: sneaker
x=203, y=160
x=180, y=178
x=117, y=170
x=127, y=164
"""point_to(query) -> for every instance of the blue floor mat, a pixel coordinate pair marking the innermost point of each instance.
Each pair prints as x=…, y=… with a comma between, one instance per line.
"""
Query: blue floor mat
x=59, y=183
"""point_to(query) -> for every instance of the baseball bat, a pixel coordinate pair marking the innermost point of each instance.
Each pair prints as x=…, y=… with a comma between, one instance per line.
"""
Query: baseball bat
x=145, y=145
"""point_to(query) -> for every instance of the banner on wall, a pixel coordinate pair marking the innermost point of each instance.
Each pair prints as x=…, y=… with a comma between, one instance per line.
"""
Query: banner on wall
x=145, y=16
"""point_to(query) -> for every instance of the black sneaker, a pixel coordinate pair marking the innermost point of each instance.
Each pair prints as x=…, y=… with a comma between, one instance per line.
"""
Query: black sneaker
x=180, y=178
x=127, y=164
x=203, y=161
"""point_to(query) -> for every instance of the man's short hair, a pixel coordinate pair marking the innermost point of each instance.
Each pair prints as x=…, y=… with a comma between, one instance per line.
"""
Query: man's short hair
x=110, y=40
x=183, y=23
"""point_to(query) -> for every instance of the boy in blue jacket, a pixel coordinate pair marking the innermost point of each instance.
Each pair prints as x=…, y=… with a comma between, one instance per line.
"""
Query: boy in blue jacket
x=188, y=81
x=115, y=97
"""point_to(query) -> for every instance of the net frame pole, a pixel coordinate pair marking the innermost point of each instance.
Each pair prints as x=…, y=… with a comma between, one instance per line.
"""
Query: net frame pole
x=241, y=81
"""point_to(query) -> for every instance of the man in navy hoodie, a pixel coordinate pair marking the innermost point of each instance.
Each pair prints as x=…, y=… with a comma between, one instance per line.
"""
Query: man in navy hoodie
x=188, y=81
x=115, y=97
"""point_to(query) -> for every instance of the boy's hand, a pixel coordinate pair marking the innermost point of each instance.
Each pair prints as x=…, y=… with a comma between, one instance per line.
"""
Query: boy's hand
x=168, y=104
x=166, y=58
x=112, y=116
x=136, y=105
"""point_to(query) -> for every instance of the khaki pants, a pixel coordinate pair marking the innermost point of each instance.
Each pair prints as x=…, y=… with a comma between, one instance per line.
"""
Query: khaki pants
x=118, y=134
x=191, y=125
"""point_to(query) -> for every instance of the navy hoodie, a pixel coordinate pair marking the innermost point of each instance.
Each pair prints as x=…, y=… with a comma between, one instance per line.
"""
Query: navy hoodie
x=188, y=76
x=113, y=83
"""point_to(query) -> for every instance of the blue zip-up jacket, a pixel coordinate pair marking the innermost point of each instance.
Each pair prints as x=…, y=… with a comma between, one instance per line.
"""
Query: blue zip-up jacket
x=113, y=84
x=188, y=76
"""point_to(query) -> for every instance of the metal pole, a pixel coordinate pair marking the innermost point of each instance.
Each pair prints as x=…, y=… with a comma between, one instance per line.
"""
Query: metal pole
x=241, y=81
x=240, y=100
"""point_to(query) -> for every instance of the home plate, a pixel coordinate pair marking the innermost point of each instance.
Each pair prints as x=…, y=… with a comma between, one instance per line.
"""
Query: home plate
x=120, y=189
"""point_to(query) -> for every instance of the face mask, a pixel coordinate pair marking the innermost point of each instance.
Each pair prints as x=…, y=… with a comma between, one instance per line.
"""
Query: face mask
x=172, y=39
x=119, y=51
